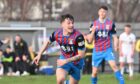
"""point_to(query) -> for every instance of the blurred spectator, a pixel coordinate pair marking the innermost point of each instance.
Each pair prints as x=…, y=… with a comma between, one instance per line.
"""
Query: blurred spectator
x=1, y=65
x=127, y=46
x=8, y=61
x=88, y=57
x=4, y=41
x=33, y=68
x=138, y=50
x=21, y=59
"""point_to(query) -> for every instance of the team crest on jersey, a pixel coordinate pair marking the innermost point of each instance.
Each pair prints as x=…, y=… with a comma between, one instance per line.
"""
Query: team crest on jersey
x=107, y=27
x=71, y=41
x=96, y=27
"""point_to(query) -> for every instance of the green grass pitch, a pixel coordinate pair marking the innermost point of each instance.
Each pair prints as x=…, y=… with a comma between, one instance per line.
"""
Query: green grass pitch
x=39, y=79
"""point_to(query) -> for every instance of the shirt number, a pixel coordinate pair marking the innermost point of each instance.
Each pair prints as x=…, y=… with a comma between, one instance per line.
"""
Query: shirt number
x=102, y=34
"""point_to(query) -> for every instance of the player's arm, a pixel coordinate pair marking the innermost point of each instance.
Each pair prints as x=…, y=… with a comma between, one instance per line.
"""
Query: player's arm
x=91, y=35
x=115, y=38
x=133, y=46
x=120, y=46
x=43, y=48
x=81, y=49
x=5, y=41
x=80, y=55
x=45, y=45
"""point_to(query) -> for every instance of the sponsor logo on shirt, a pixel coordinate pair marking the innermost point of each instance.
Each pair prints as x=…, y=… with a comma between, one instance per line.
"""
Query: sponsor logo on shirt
x=71, y=41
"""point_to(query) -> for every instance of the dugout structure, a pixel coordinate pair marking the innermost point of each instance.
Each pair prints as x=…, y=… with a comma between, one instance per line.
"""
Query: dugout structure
x=32, y=35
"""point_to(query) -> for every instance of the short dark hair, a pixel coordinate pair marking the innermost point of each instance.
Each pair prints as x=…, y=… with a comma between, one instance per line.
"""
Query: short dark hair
x=128, y=25
x=63, y=17
x=103, y=7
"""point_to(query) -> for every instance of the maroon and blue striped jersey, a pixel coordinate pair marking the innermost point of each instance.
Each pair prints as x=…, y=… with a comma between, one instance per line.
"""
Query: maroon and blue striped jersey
x=103, y=34
x=69, y=44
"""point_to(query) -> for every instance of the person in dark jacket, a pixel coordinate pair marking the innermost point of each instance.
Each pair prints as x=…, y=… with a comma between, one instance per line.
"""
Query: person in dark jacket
x=21, y=59
x=8, y=61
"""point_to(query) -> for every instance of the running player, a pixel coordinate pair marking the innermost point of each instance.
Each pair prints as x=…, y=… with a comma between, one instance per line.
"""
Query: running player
x=103, y=30
x=72, y=46
x=127, y=47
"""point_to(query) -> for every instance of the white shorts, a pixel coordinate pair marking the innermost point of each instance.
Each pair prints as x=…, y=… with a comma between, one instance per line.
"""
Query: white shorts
x=126, y=58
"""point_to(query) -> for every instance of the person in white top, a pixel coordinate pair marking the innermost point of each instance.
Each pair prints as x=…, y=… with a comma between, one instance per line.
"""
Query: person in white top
x=126, y=47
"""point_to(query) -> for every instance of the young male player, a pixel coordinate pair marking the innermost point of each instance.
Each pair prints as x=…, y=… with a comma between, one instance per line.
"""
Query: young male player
x=126, y=48
x=103, y=30
x=72, y=49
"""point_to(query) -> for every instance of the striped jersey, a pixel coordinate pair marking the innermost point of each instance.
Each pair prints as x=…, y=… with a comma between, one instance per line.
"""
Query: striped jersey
x=103, y=34
x=69, y=44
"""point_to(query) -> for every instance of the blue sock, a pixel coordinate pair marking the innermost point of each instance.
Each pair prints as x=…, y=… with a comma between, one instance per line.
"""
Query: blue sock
x=119, y=77
x=94, y=80
x=66, y=82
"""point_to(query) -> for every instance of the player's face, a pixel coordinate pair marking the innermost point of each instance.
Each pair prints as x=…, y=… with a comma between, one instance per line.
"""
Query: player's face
x=68, y=25
x=127, y=30
x=102, y=13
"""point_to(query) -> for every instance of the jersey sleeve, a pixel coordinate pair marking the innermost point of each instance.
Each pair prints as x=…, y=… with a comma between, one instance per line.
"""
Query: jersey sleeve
x=80, y=42
x=52, y=37
x=113, y=30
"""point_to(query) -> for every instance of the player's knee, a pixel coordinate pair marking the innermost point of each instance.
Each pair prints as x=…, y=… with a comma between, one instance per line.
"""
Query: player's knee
x=115, y=68
x=60, y=80
x=94, y=74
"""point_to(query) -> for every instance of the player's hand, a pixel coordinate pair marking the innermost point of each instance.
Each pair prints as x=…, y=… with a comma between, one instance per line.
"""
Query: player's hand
x=61, y=62
x=6, y=40
x=93, y=28
x=36, y=59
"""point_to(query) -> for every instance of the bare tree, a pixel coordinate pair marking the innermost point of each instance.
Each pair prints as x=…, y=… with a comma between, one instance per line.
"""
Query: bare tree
x=121, y=10
x=125, y=10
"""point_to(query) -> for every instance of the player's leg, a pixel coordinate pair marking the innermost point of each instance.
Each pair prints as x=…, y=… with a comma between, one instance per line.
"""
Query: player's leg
x=131, y=70
x=118, y=75
x=96, y=61
x=94, y=78
x=122, y=64
x=130, y=61
x=73, y=81
x=111, y=60
x=75, y=72
x=60, y=75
